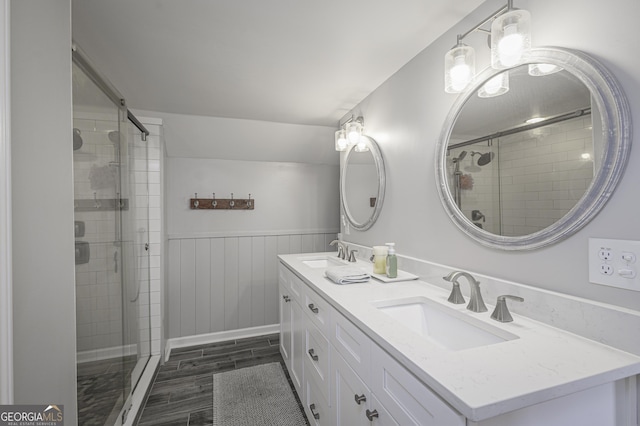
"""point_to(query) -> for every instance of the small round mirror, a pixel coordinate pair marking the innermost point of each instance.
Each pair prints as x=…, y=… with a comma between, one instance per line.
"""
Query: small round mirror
x=534, y=164
x=362, y=184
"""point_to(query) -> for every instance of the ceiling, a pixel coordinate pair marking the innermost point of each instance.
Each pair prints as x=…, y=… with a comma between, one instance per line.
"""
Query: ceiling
x=286, y=61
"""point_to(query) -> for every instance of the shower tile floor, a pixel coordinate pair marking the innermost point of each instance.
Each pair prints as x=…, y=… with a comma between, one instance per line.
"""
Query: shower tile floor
x=100, y=388
x=182, y=393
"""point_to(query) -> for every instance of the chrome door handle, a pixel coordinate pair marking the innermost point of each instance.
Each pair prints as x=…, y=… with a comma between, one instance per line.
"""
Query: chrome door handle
x=372, y=415
x=313, y=308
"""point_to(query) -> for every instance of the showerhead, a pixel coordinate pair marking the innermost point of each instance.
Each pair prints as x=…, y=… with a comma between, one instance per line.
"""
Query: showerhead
x=77, y=139
x=485, y=158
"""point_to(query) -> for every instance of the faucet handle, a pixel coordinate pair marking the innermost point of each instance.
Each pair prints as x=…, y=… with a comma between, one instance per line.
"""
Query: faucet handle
x=352, y=255
x=456, y=295
x=501, y=312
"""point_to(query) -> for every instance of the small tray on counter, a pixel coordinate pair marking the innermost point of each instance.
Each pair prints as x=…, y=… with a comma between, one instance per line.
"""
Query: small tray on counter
x=402, y=276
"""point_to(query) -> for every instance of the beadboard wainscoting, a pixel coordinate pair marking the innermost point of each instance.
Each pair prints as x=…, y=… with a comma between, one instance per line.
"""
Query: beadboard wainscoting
x=230, y=282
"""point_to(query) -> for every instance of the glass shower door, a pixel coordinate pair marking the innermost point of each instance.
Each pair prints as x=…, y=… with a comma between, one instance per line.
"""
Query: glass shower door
x=112, y=261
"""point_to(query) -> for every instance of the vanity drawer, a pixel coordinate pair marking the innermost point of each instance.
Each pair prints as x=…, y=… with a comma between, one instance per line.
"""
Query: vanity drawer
x=317, y=358
x=406, y=398
x=318, y=310
x=316, y=406
x=352, y=344
x=292, y=283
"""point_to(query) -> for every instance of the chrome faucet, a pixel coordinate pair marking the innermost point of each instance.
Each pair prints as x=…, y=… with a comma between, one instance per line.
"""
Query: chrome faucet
x=342, y=248
x=476, y=304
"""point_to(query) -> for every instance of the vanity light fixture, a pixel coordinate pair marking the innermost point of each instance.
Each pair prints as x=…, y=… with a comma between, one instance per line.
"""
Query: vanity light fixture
x=510, y=45
x=538, y=70
x=498, y=85
x=341, y=140
x=350, y=133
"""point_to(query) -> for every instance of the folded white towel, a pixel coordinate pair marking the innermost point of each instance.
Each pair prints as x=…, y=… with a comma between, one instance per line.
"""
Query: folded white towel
x=347, y=275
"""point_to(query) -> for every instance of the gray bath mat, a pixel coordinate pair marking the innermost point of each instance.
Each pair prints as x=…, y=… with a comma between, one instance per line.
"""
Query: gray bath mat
x=253, y=396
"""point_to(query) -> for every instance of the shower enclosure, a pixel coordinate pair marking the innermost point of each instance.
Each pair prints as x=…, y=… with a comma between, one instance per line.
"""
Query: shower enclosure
x=524, y=180
x=112, y=263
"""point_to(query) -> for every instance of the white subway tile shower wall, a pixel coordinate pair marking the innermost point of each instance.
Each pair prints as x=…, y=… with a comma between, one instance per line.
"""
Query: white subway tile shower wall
x=542, y=174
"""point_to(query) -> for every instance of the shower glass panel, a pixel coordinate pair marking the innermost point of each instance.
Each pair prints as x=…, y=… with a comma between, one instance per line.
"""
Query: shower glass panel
x=112, y=268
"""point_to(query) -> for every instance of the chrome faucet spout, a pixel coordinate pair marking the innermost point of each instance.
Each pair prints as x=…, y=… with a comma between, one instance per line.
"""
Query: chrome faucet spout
x=342, y=248
x=476, y=304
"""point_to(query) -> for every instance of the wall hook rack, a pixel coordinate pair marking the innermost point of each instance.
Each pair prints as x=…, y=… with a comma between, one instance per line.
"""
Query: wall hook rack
x=214, y=203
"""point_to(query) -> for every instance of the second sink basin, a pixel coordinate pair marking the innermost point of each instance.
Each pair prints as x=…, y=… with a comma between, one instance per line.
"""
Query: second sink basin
x=321, y=262
x=447, y=328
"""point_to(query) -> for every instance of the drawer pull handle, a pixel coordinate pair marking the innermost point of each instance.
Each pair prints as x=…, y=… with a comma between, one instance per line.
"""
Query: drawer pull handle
x=372, y=415
x=316, y=416
x=313, y=355
x=286, y=298
x=360, y=398
x=313, y=308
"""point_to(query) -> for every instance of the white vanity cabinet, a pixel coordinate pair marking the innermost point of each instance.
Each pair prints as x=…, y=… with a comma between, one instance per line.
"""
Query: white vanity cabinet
x=338, y=370
x=291, y=326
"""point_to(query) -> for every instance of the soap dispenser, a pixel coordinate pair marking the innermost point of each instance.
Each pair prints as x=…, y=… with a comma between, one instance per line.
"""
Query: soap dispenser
x=380, y=259
x=392, y=261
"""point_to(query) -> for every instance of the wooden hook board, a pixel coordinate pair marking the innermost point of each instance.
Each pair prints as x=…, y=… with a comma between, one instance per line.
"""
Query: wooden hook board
x=222, y=204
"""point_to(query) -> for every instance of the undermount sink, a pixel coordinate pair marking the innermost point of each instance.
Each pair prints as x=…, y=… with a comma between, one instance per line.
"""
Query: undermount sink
x=321, y=262
x=447, y=328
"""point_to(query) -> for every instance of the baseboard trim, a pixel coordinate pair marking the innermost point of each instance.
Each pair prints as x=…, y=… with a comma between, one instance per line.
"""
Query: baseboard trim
x=220, y=336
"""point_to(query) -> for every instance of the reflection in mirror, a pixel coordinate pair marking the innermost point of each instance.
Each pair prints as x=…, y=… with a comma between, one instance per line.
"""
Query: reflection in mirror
x=362, y=184
x=532, y=166
x=514, y=167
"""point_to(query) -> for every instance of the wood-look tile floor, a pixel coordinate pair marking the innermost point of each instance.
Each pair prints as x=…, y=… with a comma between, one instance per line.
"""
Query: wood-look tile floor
x=182, y=393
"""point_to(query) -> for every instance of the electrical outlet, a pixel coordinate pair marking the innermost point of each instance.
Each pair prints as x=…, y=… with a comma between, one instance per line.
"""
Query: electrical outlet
x=605, y=254
x=614, y=263
x=606, y=269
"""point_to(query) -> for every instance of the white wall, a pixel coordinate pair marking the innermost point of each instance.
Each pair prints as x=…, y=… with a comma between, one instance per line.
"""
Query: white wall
x=192, y=136
x=405, y=116
x=288, y=196
x=221, y=265
x=42, y=187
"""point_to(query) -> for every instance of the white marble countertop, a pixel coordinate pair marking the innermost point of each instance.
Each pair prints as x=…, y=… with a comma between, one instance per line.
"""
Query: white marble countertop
x=543, y=363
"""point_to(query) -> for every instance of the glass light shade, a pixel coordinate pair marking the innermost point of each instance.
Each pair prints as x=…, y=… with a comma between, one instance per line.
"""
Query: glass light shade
x=341, y=140
x=459, y=68
x=354, y=132
x=361, y=146
x=510, y=39
x=538, y=70
x=498, y=85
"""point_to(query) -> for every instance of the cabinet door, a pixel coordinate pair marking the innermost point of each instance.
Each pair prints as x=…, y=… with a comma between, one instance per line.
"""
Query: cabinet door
x=350, y=397
x=285, y=325
x=297, y=345
x=409, y=401
x=315, y=406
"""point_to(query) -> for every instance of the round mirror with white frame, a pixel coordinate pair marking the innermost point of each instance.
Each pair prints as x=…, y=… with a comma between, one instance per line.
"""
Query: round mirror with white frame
x=532, y=166
x=362, y=184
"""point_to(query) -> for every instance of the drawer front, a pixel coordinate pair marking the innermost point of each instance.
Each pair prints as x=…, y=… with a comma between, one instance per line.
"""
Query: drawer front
x=350, y=397
x=406, y=398
x=293, y=284
x=383, y=417
x=352, y=344
x=317, y=358
x=315, y=406
x=318, y=310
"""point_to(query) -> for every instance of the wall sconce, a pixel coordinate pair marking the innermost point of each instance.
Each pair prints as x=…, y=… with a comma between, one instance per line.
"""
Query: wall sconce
x=350, y=133
x=510, y=45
